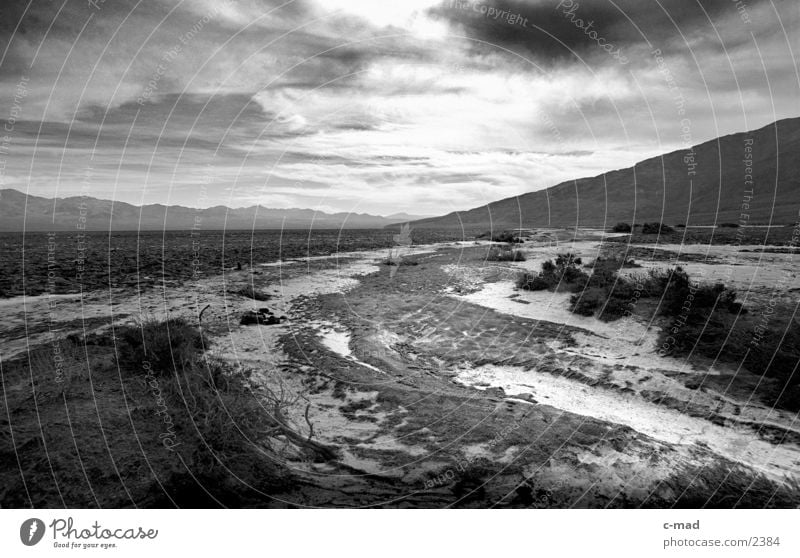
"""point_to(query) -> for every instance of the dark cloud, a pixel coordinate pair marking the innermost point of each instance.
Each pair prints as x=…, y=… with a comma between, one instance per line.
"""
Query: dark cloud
x=551, y=30
x=350, y=99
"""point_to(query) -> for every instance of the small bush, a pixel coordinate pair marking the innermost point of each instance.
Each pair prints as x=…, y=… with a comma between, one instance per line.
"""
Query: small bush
x=507, y=237
x=505, y=255
x=617, y=306
x=399, y=261
x=566, y=260
x=535, y=281
x=573, y=274
x=656, y=228
x=622, y=228
x=564, y=272
x=587, y=302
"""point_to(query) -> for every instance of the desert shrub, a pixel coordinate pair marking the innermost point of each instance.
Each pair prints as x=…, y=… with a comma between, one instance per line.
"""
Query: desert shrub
x=609, y=294
x=623, y=288
x=719, y=334
x=229, y=432
x=656, y=228
x=772, y=356
x=505, y=254
x=568, y=273
x=566, y=260
x=399, y=261
x=681, y=295
x=622, y=228
x=652, y=283
x=506, y=236
x=718, y=294
x=604, y=272
x=535, y=281
x=164, y=346
x=227, y=429
x=675, y=291
x=563, y=273
x=587, y=302
x=615, y=307
x=612, y=263
x=572, y=274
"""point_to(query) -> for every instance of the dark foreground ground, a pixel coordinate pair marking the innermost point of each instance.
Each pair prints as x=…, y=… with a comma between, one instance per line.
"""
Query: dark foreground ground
x=207, y=412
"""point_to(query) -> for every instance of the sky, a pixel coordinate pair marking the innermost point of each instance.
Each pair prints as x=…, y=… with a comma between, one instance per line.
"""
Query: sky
x=374, y=106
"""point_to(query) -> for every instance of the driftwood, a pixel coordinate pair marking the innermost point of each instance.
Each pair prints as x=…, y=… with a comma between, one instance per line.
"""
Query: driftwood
x=280, y=401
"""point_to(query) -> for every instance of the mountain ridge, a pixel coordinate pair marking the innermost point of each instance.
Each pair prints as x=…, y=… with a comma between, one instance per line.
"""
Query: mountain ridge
x=701, y=184
x=20, y=211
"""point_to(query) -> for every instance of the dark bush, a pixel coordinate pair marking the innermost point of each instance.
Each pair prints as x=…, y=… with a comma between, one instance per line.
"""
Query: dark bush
x=572, y=275
x=656, y=228
x=230, y=432
x=163, y=346
x=563, y=273
x=616, y=307
x=652, y=283
x=506, y=236
x=505, y=254
x=681, y=295
x=399, y=261
x=566, y=260
x=535, y=281
x=604, y=274
x=622, y=228
x=587, y=302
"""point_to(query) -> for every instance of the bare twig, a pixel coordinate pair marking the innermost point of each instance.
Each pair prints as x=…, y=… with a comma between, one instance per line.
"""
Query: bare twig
x=200, y=316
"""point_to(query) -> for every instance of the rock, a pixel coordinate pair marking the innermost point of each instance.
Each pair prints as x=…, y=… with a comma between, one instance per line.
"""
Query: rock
x=495, y=392
x=262, y=317
x=526, y=397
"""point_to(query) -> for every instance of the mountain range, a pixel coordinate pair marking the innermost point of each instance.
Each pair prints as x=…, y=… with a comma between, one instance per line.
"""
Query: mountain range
x=20, y=211
x=754, y=173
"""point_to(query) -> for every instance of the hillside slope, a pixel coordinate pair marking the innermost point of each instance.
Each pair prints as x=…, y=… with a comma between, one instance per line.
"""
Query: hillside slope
x=701, y=185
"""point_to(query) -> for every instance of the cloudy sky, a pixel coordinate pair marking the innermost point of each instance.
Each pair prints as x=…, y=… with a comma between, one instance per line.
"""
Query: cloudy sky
x=379, y=106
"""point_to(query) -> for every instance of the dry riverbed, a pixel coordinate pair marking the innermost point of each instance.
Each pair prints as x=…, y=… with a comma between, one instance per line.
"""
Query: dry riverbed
x=439, y=384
